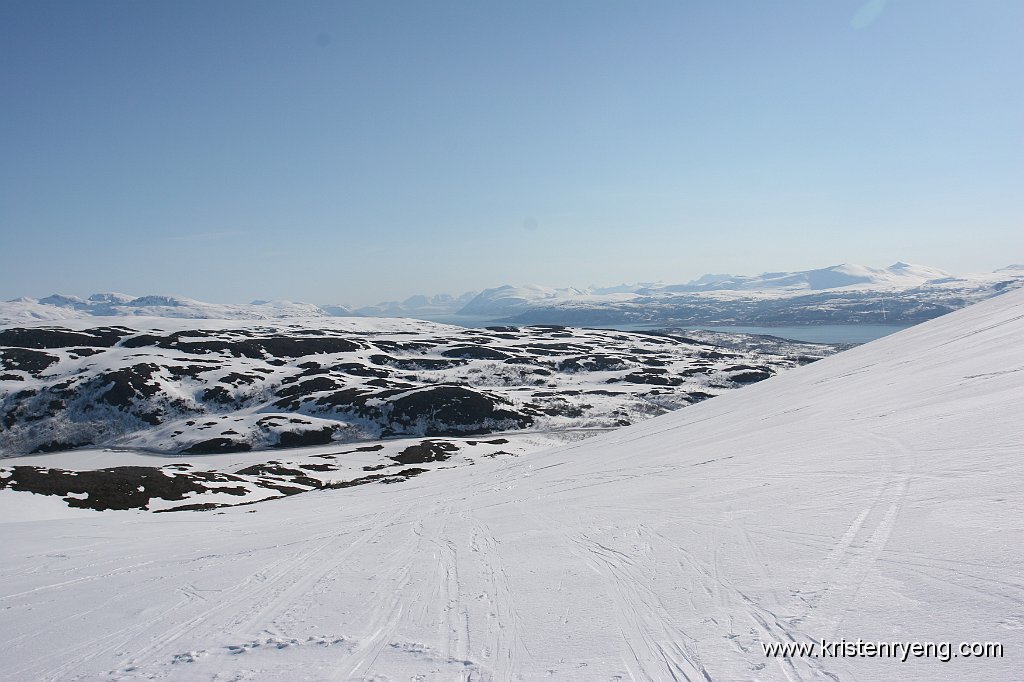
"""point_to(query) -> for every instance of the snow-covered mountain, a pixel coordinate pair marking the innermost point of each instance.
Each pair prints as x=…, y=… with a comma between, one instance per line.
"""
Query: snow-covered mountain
x=419, y=305
x=842, y=294
x=507, y=299
x=898, y=275
x=873, y=496
x=58, y=307
x=338, y=310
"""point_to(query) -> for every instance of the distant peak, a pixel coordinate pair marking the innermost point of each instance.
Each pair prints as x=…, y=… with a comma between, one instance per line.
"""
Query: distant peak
x=111, y=297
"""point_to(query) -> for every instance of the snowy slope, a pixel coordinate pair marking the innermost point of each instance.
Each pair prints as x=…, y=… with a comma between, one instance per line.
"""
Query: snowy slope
x=874, y=495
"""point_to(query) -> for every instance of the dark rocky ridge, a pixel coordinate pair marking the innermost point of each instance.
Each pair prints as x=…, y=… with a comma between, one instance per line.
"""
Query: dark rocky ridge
x=136, y=487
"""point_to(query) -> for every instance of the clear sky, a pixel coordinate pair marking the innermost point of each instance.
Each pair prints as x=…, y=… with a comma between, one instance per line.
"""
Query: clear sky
x=360, y=151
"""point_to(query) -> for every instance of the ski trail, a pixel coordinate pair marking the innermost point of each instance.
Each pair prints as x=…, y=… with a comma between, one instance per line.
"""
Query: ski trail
x=383, y=619
x=658, y=649
x=504, y=626
x=78, y=581
x=268, y=580
x=418, y=596
x=287, y=597
x=239, y=605
x=849, y=577
x=122, y=638
x=711, y=589
x=454, y=633
x=851, y=561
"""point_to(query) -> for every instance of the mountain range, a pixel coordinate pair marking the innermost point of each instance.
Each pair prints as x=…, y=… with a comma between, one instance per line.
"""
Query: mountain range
x=902, y=293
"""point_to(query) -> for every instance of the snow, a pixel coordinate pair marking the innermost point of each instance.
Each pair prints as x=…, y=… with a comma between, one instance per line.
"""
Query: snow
x=19, y=508
x=552, y=378
x=874, y=494
x=841, y=276
x=642, y=301
x=508, y=298
x=846, y=275
x=840, y=294
x=59, y=307
x=414, y=306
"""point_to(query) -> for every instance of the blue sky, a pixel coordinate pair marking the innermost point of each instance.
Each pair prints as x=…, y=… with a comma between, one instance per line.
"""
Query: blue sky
x=362, y=151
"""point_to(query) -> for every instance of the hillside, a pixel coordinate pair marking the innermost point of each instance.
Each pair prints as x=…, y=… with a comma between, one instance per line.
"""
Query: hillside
x=176, y=386
x=874, y=494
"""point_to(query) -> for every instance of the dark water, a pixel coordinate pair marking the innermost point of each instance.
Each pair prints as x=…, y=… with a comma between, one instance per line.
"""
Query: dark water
x=813, y=333
x=461, y=320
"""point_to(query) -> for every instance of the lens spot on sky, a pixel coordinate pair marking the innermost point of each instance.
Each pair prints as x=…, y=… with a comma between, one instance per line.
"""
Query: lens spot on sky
x=868, y=13
x=323, y=39
x=530, y=224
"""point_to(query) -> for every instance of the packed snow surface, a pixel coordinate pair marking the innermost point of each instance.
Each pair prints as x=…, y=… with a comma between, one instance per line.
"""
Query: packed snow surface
x=874, y=494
